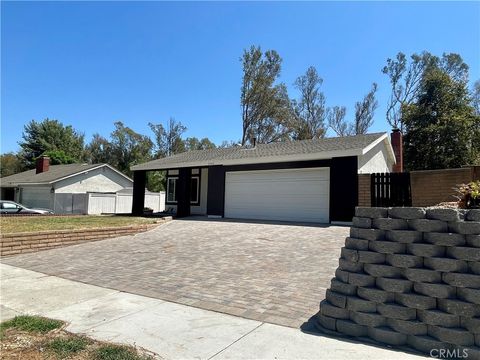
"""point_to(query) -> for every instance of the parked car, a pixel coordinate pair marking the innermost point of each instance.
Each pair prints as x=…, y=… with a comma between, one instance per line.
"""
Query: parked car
x=11, y=207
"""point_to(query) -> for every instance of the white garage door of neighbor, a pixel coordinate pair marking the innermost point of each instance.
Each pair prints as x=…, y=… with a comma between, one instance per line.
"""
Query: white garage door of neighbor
x=287, y=195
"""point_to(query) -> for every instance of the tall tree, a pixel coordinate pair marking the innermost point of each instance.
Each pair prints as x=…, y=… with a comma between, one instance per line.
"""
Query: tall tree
x=128, y=148
x=193, y=143
x=10, y=164
x=310, y=111
x=364, y=111
x=406, y=76
x=50, y=135
x=98, y=150
x=337, y=122
x=441, y=127
x=266, y=108
x=168, y=140
x=476, y=97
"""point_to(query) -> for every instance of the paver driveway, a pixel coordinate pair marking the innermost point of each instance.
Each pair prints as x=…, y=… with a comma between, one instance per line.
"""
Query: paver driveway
x=275, y=273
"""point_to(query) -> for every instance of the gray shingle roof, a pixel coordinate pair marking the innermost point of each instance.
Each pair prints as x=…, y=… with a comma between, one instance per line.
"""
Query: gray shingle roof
x=55, y=173
x=264, y=152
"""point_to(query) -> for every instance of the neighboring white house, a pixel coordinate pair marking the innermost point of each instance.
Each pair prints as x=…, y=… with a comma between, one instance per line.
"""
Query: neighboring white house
x=72, y=188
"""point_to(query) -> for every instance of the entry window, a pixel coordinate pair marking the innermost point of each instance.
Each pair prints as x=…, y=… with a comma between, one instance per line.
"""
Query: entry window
x=171, y=190
x=194, y=190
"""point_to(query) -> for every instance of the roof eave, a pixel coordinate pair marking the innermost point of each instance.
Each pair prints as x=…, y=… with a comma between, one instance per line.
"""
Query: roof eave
x=324, y=155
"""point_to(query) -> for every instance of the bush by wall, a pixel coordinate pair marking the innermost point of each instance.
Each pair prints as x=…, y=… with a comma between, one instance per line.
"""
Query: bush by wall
x=409, y=277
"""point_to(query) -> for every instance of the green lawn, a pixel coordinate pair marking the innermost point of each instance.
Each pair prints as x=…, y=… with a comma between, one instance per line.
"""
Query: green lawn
x=18, y=224
x=43, y=338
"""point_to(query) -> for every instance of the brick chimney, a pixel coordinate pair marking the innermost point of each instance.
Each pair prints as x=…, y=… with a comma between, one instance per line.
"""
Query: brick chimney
x=43, y=164
x=397, y=144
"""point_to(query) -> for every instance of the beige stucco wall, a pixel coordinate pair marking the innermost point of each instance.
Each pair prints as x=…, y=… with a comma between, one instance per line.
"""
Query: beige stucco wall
x=98, y=180
x=376, y=160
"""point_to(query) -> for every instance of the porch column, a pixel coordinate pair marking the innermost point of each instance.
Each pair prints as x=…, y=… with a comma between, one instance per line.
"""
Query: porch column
x=216, y=190
x=139, y=183
x=183, y=192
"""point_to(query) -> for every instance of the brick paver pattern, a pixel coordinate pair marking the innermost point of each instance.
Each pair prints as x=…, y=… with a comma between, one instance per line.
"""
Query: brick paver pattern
x=275, y=273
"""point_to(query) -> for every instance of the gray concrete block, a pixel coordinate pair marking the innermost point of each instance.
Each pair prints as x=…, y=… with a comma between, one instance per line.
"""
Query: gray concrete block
x=396, y=311
x=477, y=340
x=458, y=307
x=426, y=344
x=350, y=328
x=426, y=250
x=464, y=253
x=342, y=275
x=422, y=275
x=368, y=234
x=426, y=225
x=445, y=264
x=465, y=227
x=473, y=215
x=456, y=336
x=473, y=240
x=370, y=257
x=408, y=327
x=404, y=260
x=444, y=239
x=361, y=279
x=342, y=288
x=355, y=303
x=462, y=280
x=368, y=319
x=336, y=299
x=380, y=270
x=390, y=224
x=327, y=322
x=404, y=236
x=362, y=222
x=467, y=294
x=443, y=214
x=407, y=213
x=437, y=317
x=371, y=212
x=349, y=254
x=332, y=311
x=471, y=324
x=350, y=265
x=474, y=267
x=394, y=285
x=356, y=244
x=374, y=294
x=441, y=291
x=416, y=301
x=387, y=336
x=386, y=247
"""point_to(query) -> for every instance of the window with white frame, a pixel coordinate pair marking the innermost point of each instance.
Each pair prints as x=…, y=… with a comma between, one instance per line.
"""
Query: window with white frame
x=171, y=190
x=194, y=190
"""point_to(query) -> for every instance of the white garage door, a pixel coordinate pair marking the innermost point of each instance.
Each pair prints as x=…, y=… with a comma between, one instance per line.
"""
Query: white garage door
x=287, y=195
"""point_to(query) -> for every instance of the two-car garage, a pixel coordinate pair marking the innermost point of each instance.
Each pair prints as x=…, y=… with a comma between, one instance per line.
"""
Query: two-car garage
x=286, y=195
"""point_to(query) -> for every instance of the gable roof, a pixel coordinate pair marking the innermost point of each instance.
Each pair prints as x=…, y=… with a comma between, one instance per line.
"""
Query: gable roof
x=275, y=152
x=54, y=174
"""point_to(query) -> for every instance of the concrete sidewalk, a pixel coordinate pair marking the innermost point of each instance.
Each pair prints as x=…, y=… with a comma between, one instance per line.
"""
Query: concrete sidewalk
x=170, y=330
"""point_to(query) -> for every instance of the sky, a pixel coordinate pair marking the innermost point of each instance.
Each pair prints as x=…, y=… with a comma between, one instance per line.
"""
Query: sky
x=89, y=64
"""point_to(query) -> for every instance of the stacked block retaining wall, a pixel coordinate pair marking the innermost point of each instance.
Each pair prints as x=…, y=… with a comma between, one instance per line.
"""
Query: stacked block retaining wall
x=409, y=277
x=20, y=243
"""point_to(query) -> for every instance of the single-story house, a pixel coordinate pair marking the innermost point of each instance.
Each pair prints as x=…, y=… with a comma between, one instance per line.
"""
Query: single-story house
x=55, y=186
x=304, y=181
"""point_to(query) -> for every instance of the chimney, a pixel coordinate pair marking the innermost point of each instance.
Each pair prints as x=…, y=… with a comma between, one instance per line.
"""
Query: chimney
x=397, y=144
x=43, y=164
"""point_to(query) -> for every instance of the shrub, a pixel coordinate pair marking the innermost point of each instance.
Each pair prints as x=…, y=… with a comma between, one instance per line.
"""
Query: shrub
x=469, y=195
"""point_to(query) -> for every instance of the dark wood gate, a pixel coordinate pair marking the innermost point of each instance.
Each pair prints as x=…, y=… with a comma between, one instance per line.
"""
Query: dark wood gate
x=390, y=189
